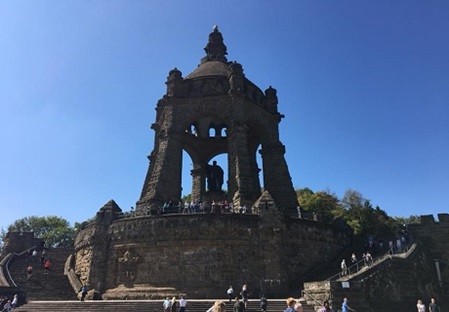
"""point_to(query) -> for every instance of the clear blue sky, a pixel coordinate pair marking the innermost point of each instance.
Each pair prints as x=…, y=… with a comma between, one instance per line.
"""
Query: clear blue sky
x=364, y=86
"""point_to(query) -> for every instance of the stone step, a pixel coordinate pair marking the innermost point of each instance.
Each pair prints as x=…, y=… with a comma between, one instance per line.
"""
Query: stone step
x=42, y=286
x=274, y=305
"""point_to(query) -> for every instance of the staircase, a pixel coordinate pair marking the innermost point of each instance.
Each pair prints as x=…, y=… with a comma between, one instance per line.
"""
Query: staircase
x=277, y=305
x=334, y=289
x=41, y=286
x=53, y=292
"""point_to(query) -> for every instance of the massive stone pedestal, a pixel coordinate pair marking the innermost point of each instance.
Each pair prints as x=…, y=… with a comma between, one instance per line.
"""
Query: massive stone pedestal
x=202, y=254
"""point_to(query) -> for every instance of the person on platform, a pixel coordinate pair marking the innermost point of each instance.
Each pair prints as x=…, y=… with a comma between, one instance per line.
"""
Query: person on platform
x=230, y=293
x=245, y=295
x=433, y=306
x=218, y=306
x=83, y=291
x=182, y=304
x=421, y=307
x=345, y=307
x=263, y=303
x=47, y=266
x=344, y=268
x=167, y=305
x=290, y=304
x=7, y=307
x=15, y=301
x=174, y=305
x=325, y=307
x=29, y=271
x=298, y=307
x=239, y=306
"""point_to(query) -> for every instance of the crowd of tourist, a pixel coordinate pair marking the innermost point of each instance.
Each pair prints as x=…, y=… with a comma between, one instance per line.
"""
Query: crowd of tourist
x=433, y=306
x=240, y=303
x=375, y=246
x=33, y=259
x=7, y=305
x=199, y=207
x=193, y=207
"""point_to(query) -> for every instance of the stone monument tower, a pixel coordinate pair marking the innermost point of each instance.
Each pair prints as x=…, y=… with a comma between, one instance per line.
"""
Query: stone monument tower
x=213, y=110
x=216, y=110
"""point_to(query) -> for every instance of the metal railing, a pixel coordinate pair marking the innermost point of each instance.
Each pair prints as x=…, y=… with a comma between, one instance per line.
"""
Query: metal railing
x=7, y=261
x=363, y=265
x=316, y=301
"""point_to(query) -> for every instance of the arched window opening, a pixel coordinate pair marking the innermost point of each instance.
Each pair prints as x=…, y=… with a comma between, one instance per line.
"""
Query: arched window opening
x=224, y=132
x=194, y=129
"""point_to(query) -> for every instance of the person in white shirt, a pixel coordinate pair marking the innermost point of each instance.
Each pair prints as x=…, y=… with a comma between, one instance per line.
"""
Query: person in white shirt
x=230, y=293
x=182, y=304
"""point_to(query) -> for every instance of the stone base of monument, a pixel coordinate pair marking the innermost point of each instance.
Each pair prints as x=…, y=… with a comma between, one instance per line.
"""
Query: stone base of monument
x=214, y=196
x=140, y=292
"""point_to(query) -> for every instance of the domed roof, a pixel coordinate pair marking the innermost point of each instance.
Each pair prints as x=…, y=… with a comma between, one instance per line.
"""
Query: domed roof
x=210, y=69
x=214, y=64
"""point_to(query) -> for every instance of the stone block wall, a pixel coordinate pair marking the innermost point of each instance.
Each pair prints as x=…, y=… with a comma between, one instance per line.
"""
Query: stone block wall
x=20, y=241
x=434, y=235
x=202, y=254
x=84, y=245
x=311, y=246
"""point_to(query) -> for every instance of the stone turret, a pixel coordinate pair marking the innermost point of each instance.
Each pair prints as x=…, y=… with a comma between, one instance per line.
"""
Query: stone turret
x=215, y=48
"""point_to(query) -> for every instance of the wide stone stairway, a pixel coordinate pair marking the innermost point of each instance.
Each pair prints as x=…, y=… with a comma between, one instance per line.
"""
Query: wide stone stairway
x=51, y=286
x=53, y=292
x=142, y=306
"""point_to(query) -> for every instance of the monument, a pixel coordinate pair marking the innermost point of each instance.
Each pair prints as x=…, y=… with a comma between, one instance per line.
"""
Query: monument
x=216, y=110
x=211, y=111
x=151, y=254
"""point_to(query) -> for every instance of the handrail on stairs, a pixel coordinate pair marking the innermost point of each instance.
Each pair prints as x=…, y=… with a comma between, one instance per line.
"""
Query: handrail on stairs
x=353, y=269
x=358, y=266
x=304, y=293
x=4, y=266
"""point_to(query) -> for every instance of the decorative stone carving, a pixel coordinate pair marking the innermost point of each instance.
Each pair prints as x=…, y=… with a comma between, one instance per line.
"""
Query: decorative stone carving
x=128, y=266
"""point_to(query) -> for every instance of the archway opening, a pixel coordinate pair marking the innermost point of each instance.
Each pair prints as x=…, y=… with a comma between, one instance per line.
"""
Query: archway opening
x=187, y=167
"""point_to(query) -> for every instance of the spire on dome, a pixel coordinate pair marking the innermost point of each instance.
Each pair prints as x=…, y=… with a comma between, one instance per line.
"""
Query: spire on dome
x=215, y=48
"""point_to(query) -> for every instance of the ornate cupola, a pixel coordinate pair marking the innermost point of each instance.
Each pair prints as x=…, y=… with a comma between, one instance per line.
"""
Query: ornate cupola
x=215, y=48
x=217, y=110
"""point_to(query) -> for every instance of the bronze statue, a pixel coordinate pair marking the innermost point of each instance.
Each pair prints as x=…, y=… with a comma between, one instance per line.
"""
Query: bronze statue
x=214, y=176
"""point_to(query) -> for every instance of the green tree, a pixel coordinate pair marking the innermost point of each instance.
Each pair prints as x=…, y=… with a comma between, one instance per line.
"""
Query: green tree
x=187, y=198
x=364, y=219
x=413, y=219
x=323, y=203
x=55, y=231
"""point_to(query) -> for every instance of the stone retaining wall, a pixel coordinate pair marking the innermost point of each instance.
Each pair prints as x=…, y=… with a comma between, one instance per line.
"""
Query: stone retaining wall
x=202, y=254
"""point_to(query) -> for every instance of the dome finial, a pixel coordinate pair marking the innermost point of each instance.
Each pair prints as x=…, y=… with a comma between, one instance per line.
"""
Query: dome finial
x=215, y=48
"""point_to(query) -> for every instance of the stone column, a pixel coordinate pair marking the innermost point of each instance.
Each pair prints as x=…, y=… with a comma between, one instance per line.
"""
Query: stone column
x=241, y=180
x=277, y=179
x=164, y=177
x=198, y=177
x=272, y=260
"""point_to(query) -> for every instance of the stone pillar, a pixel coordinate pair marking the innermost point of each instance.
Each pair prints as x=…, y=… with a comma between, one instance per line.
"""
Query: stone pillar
x=174, y=82
x=97, y=244
x=198, y=177
x=164, y=176
x=273, y=279
x=277, y=179
x=271, y=100
x=241, y=179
